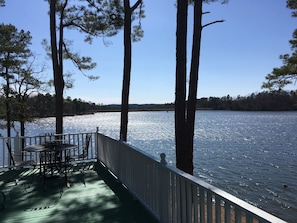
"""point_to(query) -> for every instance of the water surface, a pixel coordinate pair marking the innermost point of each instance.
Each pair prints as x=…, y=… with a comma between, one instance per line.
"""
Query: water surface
x=249, y=154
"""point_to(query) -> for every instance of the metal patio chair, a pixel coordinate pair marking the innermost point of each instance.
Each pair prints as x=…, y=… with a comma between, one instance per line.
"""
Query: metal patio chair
x=20, y=159
x=70, y=159
x=84, y=153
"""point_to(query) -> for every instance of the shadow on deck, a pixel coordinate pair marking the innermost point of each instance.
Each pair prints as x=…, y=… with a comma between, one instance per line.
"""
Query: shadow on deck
x=94, y=196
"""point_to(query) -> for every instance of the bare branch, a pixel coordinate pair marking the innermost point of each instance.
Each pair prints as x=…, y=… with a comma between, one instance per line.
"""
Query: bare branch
x=136, y=5
x=217, y=21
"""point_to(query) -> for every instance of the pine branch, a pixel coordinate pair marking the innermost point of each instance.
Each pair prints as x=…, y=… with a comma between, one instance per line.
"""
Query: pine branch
x=217, y=21
x=136, y=5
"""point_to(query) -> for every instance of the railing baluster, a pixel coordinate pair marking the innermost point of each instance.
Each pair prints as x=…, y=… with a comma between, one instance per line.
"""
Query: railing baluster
x=174, y=201
x=249, y=218
x=195, y=204
x=218, y=209
x=227, y=212
x=178, y=200
x=202, y=204
x=209, y=207
x=237, y=215
x=189, y=204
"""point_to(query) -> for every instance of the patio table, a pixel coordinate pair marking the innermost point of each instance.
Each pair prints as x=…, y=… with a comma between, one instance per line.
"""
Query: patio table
x=48, y=150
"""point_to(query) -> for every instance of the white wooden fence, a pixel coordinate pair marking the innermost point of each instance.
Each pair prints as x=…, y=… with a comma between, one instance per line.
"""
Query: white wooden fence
x=170, y=194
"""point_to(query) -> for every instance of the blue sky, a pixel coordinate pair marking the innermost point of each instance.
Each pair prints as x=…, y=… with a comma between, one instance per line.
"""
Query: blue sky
x=235, y=56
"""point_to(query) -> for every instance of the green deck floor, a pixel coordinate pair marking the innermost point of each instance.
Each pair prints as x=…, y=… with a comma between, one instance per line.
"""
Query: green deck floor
x=94, y=196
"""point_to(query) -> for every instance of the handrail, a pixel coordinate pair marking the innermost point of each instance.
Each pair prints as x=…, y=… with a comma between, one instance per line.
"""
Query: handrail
x=170, y=194
x=18, y=143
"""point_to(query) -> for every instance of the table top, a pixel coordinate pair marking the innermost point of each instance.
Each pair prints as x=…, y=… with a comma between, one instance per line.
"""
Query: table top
x=49, y=147
x=59, y=146
x=35, y=148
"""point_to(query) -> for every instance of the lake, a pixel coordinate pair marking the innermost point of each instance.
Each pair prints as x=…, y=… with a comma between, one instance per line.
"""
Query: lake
x=251, y=155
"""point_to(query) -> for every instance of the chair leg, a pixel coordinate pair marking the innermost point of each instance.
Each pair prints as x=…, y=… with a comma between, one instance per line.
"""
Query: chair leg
x=82, y=176
x=2, y=200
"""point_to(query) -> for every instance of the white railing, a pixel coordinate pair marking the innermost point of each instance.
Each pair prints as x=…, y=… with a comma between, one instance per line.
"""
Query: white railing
x=17, y=144
x=170, y=194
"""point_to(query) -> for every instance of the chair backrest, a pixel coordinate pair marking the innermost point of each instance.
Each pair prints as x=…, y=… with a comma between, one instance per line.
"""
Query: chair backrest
x=17, y=159
x=10, y=154
x=86, y=146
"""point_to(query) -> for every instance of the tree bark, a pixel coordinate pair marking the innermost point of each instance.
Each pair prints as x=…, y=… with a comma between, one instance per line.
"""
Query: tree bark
x=57, y=60
x=7, y=104
x=127, y=71
x=180, y=91
x=193, y=86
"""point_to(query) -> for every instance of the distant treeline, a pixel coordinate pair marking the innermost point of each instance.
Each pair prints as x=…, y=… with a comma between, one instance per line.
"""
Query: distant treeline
x=44, y=105
x=263, y=101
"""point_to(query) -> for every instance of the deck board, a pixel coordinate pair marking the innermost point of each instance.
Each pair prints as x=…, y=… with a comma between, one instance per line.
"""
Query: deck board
x=94, y=196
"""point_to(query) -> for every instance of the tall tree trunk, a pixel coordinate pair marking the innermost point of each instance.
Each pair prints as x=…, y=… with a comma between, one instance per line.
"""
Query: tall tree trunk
x=57, y=66
x=193, y=86
x=127, y=71
x=60, y=82
x=7, y=104
x=180, y=85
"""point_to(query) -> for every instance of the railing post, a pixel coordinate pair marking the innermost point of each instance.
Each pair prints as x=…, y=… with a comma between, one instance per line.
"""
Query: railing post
x=17, y=148
x=163, y=191
x=96, y=143
x=163, y=158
